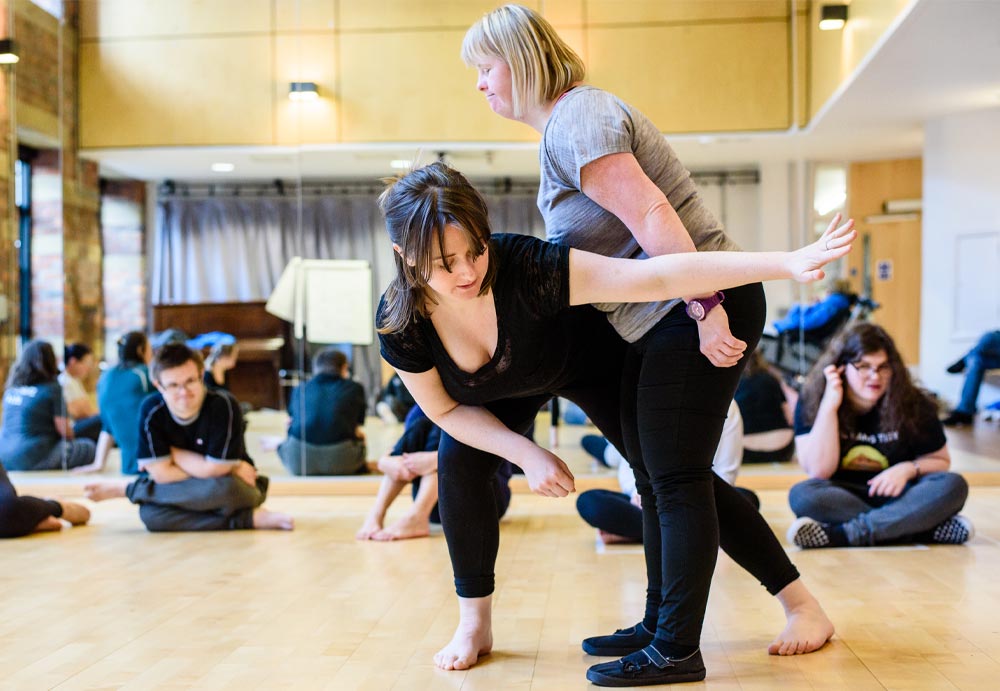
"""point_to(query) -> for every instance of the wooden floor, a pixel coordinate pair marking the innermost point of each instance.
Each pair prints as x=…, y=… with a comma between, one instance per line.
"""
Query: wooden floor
x=110, y=606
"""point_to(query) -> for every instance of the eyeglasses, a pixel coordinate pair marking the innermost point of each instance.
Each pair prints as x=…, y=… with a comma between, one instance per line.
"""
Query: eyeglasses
x=865, y=370
x=173, y=387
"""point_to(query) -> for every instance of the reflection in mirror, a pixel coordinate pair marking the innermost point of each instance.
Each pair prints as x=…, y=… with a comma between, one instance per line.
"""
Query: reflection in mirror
x=821, y=309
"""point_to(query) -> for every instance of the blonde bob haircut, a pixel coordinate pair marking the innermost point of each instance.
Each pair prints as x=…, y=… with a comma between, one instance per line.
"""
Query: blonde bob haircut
x=542, y=65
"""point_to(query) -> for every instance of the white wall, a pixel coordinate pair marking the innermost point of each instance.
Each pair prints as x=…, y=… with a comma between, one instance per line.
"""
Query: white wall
x=961, y=244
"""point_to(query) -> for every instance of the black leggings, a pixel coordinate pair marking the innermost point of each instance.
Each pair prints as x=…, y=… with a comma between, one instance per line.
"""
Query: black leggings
x=20, y=515
x=464, y=474
x=674, y=404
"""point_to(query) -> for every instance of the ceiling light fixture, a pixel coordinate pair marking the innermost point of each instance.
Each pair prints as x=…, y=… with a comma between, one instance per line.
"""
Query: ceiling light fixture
x=303, y=91
x=223, y=167
x=832, y=17
x=400, y=164
x=8, y=52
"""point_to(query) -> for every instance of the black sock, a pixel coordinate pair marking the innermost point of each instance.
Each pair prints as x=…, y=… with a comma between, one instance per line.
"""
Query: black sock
x=836, y=533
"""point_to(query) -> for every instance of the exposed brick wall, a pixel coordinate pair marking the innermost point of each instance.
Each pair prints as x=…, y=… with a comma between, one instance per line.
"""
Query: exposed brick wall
x=37, y=33
x=82, y=253
x=47, y=249
x=123, y=209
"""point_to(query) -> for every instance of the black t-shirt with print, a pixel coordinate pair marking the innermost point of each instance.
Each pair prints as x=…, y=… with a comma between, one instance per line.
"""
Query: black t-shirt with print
x=535, y=329
x=870, y=450
x=216, y=433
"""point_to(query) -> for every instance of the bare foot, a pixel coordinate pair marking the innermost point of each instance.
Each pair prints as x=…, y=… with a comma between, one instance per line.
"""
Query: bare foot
x=48, y=524
x=372, y=525
x=99, y=491
x=77, y=514
x=409, y=526
x=612, y=539
x=272, y=520
x=807, y=628
x=465, y=648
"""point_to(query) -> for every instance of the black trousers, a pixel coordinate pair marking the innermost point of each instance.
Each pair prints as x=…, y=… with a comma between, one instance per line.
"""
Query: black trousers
x=674, y=404
x=465, y=474
x=20, y=515
x=196, y=504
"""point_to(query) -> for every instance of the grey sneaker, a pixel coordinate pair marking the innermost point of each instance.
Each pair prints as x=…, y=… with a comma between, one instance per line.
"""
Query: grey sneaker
x=807, y=533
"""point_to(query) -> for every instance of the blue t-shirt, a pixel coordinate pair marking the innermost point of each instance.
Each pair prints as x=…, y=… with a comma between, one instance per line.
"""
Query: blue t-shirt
x=327, y=409
x=120, y=392
x=28, y=433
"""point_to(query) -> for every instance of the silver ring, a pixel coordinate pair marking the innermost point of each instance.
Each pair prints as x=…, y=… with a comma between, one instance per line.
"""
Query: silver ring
x=827, y=245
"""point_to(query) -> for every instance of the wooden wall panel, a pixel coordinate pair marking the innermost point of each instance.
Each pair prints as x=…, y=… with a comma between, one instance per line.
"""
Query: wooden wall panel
x=834, y=55
x=397, y=15
x=307, y=58
x=701, y=78
x=215, y=72
x=305, y=15
x=870, y=184
x=800, y=79
x=615, y=11
x=414, y=87
x=136, y=18
x=177, y=92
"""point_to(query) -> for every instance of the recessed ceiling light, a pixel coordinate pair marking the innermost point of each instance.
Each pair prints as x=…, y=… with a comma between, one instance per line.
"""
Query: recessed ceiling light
x=400, y=164
x=223, y=167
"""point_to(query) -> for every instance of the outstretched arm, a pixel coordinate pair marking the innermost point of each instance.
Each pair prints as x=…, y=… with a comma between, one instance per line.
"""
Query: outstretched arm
x=595, y=278
x=477, y=427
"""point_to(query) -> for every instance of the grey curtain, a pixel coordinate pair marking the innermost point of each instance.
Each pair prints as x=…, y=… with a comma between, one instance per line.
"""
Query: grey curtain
x=232, y=247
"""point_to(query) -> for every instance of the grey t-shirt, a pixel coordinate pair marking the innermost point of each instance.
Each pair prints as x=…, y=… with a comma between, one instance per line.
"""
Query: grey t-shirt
x=28, y=432
x=587, y=124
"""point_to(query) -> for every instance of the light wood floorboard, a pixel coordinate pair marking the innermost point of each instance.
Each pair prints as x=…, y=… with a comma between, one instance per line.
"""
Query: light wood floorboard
x=110, y=606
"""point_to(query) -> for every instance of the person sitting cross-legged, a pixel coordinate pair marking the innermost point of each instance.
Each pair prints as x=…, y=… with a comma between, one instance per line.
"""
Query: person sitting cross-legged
x=195, y=472
x=327, y=414
x=875, y=452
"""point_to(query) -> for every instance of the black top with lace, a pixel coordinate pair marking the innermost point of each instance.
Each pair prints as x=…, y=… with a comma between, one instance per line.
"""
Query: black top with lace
x=534, y=322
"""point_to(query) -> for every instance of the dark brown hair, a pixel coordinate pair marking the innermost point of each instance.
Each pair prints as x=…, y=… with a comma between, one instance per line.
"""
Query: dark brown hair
x=902, y=403
x=329, y=361
x=417, y=206
x=129, y=346
x=174, y=355
x=37, y=365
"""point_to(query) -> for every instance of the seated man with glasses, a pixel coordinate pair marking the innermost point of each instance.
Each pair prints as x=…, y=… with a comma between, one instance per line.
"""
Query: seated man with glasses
x=875, y=452
x=195, y=472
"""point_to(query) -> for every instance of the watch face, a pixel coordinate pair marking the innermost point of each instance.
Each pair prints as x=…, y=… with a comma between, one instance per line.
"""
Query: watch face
x=696, y=310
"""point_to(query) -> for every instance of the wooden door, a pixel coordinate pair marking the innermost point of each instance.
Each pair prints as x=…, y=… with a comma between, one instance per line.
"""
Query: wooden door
x=893, y=255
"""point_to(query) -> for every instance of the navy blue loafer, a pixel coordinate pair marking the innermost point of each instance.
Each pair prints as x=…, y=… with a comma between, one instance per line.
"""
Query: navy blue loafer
x=647, y=668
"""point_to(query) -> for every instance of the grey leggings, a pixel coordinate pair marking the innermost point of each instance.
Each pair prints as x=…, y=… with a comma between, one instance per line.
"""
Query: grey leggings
x=343, y=458
x=68, y=454
x=219, y=503
x=877, y=520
